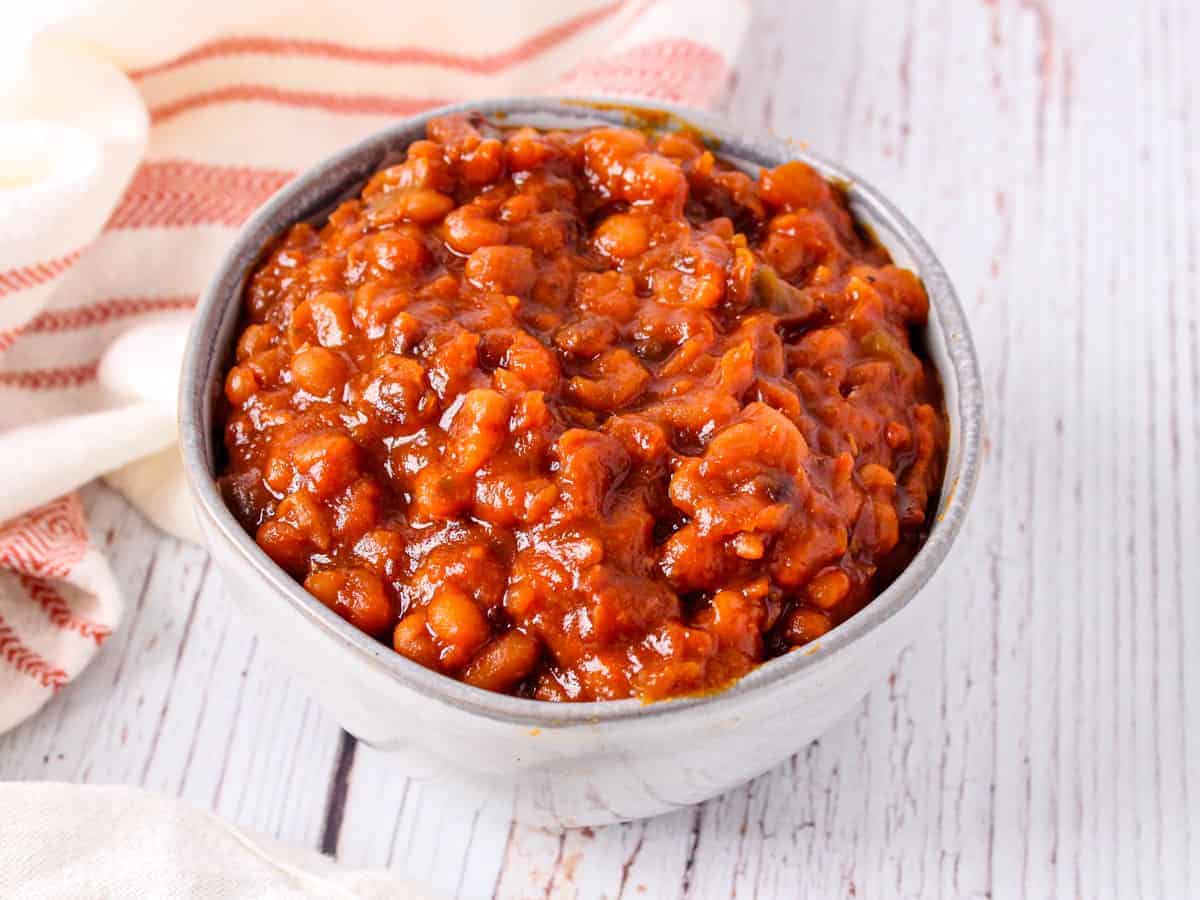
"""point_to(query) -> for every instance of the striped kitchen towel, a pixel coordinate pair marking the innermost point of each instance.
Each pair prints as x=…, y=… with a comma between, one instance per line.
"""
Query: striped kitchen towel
x=134, y=139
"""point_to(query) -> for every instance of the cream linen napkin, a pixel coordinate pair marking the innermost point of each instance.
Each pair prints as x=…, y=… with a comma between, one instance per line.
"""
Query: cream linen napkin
x=116, y=843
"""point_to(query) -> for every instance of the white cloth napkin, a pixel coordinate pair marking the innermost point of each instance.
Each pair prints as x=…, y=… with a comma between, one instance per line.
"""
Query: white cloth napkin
x=61, y=841
x=134, y=139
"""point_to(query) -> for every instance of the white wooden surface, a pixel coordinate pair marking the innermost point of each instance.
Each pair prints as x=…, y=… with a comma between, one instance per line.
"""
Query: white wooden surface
x=1044, y=739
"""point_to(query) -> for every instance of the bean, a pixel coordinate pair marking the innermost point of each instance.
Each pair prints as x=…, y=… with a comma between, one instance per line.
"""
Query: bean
x=505, y=270
x=240, y=385
x=328, y=462
x=318, y=371
x=309, y=519
x=805, y=624
x=255, y=339
x=829, y=588
x=897, y=436
x=357, y=595
x=412, y=639
x=524, y=149
x=468, y=229
x=504, y=662
x=459, y=626
x=737, y=622
x=794, y=185
x=326, y=319
x=484, y=164
x=876, y=478
x=622, y=236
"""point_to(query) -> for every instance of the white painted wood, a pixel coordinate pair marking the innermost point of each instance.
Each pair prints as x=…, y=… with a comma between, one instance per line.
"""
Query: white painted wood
x=182, y=699
x=450, y=839
x=1044, y=739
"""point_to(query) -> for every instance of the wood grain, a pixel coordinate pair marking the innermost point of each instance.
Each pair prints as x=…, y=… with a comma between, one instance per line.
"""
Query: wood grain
x=1044, y=738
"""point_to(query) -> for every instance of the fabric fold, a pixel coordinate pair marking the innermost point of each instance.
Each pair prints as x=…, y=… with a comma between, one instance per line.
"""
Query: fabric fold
x=127, y=843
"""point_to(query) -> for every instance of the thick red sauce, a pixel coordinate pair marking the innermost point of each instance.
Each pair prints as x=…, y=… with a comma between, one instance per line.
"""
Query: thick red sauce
x=585, y=415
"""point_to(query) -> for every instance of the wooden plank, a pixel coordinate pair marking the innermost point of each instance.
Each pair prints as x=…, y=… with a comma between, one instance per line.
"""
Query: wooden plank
x=439, y=832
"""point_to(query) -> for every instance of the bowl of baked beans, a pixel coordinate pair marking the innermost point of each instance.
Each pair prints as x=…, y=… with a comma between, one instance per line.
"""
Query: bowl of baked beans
x=593, y=450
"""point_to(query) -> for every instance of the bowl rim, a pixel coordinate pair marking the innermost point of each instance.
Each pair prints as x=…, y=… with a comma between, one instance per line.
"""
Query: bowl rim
x=204, y=354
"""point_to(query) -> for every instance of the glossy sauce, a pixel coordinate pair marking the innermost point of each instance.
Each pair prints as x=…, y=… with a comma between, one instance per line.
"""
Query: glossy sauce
x=585, y=415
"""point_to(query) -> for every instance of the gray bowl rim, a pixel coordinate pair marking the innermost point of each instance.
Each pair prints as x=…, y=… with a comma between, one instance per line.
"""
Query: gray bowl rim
x=313, y=193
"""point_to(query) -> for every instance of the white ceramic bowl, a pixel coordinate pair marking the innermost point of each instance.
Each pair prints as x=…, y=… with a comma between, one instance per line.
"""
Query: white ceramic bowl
x=585, y=763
